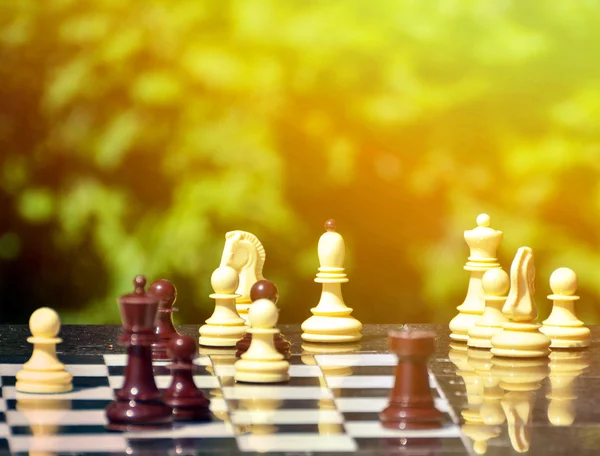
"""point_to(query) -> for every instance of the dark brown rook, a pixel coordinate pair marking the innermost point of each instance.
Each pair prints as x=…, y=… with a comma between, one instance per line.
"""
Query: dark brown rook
x=167, y=294
x=183, y=396
x=264, y=289
x=138, y=403
x=411, y=403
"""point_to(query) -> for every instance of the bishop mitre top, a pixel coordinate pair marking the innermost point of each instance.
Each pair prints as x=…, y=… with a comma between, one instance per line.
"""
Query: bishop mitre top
x=483, y=243
x=331, y=250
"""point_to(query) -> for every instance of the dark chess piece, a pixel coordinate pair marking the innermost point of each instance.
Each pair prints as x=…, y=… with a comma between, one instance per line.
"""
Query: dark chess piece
x=264, y=289
x=411, y=403
x=183, y=396
x=167, y=294
x=138, y=403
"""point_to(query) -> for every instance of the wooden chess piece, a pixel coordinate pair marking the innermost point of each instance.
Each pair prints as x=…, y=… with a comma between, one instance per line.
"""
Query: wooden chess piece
x=521, y=337
x=224, y=327
x=563, y=327
x=565, y=367
x=44, y=373
x=331, y=321
x=496, y=284
x=262, y=363
x=411, y=404
x=264, y=289
x=244, y=253
x=183, y=396
x=167, y=294
x=520, y=379
x=483, y=243
x=138, y=403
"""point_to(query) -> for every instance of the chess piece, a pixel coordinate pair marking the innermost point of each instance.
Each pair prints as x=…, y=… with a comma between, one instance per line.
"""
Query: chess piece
x=520, y=379
x=262, y=363
x=473, y=385
x=411, y=403
x=244, y=253
x=138, y=403
x=225, y=327
x=521, y=337
x=44, y=373
x=264, y=289
x=167, y=294
x=483, y=243
x=562, y=326
x=183, y=396
x=495, y=283
x=331, y=321
x=565, y=367
x=217, y=401
x=44, y=416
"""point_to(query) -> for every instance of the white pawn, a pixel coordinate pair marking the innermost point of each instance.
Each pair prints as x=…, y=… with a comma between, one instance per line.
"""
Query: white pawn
x=44, y=373
x=563, y=327
x=225, y=327
x=262, y=363
x=331, y=321
x=496, y=284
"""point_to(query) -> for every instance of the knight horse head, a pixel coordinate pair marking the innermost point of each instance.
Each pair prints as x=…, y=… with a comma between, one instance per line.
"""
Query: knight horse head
x=519, y=305
x=244, y=253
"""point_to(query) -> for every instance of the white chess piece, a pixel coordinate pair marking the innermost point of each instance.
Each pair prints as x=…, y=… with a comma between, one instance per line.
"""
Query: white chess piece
x=496, y=284
x=562, y=326
x=483, y=243
x=44, y=373
x=262, y=363
x=246, y=254
x=521, y=337
x=331, y=320
x=225, y=327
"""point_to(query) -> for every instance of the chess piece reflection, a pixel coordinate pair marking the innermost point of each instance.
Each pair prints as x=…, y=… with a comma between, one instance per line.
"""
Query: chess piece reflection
x=331, y=321
x=565, y=367
x=520, y=379
x=521, y=337
x=483, y=243
x=217, y=401
x=225, y=327
x=562, y=326
x=44, y=416
x=244, y=253
x=261, y=414
x=44, y=373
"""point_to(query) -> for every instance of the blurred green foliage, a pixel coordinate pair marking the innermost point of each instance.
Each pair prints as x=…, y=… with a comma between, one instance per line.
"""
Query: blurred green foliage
x=133, y=135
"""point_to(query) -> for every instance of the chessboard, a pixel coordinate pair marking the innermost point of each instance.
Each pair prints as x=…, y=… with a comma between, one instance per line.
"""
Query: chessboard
x=330, y=405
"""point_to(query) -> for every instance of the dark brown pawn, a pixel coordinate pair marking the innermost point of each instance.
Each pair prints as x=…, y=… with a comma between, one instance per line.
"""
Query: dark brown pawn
x=264, y=289
x=411, y=403
x=167, y=294
x=183, y=396
x=138, y=403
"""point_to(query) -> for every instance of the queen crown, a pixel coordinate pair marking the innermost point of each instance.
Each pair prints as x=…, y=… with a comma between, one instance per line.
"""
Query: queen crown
x=483, y=241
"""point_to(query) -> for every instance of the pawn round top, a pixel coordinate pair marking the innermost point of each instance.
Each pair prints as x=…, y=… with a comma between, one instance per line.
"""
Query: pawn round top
x=139, y=284
x=182, y=348
x=263, y=314
x=495, y=282
x=264, y=289
x=44, y=323
x=563, y=281
x=330, y=225
x=483, y=220
x=165, y=291
x=224, y=280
